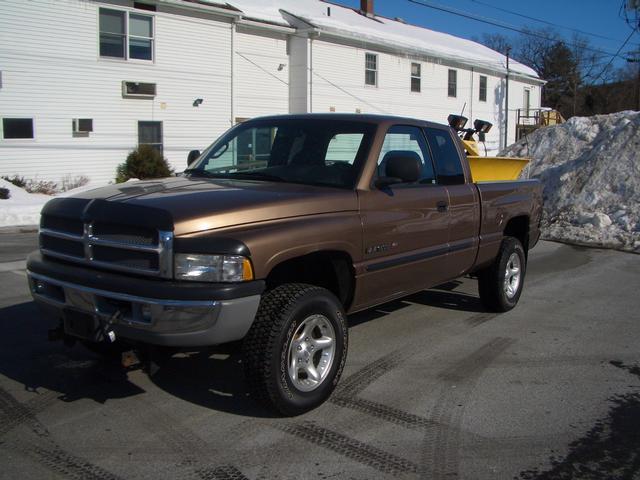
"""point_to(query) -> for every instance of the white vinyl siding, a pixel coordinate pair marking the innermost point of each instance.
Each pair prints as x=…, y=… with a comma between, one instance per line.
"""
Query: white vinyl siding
x=261, y=75
x=56, y=78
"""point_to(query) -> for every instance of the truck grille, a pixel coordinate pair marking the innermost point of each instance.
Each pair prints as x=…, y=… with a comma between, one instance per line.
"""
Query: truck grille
x=125, y=248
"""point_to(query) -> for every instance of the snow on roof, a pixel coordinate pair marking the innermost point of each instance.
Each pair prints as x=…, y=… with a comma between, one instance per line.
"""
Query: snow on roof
x=349, y=22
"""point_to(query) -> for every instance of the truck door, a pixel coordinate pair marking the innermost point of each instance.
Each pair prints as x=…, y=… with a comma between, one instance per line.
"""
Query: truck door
x=464, y=202
x=405, y=225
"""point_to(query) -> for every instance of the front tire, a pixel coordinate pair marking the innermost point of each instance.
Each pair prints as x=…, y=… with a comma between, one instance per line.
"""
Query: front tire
x=296, y=348
x=500, y=285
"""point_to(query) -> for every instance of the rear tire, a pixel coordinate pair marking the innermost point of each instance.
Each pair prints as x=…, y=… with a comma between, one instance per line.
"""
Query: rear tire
x=296, y=348
x=500, y=284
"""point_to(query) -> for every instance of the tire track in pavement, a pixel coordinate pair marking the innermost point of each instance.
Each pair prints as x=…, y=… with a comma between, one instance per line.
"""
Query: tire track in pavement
x=441, y=444
x=14, y=413
x=224, y=472
x=353, y=449
x=43, y=448
x=385, y=412
x=193, y=451
x=371, y=372
x=178, y=438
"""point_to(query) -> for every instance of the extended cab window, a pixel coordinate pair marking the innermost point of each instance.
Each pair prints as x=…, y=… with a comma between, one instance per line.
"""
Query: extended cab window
x=407, y=141
x=445, y=156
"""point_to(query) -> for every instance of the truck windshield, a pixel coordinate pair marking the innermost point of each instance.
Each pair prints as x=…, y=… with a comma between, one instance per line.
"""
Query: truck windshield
x=308, y=151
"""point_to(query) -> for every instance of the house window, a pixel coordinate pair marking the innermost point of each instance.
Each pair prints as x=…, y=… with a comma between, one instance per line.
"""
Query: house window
x=453, y=83
x=17, y=128
x=371, y=69
x=416, y=77
x=126, y=35
x=482, y=92
x=150, y=133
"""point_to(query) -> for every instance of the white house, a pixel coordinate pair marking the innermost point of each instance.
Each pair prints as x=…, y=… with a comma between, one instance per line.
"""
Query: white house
x=83, y=82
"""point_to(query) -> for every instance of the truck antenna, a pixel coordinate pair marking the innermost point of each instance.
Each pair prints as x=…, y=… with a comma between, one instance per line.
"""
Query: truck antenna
x=463, y=107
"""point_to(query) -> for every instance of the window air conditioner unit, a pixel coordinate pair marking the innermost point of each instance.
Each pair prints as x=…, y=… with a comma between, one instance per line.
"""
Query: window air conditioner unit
x=82, y=125
x=138, y=90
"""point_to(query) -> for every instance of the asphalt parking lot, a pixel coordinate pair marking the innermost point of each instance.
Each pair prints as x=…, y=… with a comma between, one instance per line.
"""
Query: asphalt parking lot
x=434, y=388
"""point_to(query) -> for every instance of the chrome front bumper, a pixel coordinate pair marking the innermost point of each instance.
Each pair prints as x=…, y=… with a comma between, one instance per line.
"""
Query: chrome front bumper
x=184, y=323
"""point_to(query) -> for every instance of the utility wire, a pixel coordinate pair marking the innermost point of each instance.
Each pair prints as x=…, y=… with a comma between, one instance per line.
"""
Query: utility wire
x=496, y=23
x=619, y=50
x=544, y=21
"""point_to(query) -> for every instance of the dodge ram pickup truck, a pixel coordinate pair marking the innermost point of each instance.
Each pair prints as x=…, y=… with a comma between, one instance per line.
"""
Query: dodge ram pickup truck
x=275, y=233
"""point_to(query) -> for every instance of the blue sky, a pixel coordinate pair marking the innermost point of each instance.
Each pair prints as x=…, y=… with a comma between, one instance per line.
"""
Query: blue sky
x=599, y=17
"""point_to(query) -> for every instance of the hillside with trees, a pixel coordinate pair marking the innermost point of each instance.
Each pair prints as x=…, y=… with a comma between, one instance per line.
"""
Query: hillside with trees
x=580, y=78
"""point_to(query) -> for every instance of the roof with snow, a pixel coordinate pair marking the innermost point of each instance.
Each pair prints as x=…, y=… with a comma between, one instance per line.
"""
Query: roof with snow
x=351, y=23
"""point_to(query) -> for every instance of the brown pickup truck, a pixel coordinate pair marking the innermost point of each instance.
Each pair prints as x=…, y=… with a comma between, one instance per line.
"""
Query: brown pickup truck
x=273, y=235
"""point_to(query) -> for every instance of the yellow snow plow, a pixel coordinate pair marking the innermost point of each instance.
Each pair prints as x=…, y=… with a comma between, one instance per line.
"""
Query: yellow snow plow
x=483, y=168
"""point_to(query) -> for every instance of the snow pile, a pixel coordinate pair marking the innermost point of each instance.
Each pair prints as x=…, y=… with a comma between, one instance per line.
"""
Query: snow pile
x=23, y=208
x=590, y=170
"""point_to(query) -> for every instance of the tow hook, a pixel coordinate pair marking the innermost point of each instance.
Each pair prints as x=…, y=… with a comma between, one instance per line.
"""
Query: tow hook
x=108, y=334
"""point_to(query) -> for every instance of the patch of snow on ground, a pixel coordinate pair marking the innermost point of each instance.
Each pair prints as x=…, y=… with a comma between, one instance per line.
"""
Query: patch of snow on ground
x=23, y=208
x=590, y=170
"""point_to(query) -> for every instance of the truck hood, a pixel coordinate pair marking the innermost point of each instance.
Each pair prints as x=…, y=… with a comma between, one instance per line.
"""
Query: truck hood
x=198, y=204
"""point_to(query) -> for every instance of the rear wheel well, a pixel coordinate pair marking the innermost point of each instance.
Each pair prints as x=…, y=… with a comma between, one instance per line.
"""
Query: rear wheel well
x=332, y=270
x=518, y=227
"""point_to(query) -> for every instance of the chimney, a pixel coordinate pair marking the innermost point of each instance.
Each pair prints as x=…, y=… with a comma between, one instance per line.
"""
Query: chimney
x=366, y=7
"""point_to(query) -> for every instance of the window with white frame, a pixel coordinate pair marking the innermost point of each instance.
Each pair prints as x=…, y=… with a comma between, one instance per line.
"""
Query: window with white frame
x=452, y=88
x=482, y=91
x=416, y=77
x=371, y=69
x=126, y=35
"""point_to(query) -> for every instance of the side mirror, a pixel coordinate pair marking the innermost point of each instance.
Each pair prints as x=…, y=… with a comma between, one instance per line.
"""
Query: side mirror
x=382, y=182
x=193, y=155
x=404, y=167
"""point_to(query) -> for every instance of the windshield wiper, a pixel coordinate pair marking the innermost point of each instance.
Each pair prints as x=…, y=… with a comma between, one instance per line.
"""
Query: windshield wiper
x=240, y=175
x=257, y=176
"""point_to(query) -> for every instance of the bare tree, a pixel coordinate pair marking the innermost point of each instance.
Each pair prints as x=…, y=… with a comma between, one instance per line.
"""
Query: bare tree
x=495, y=41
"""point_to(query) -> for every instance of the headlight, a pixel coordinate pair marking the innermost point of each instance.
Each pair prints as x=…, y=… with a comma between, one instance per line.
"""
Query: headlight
x=212, y=268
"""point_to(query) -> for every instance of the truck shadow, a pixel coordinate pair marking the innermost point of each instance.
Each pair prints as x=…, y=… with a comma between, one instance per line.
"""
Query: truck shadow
x=212, y=378
x=27, y=357
x=442, y=296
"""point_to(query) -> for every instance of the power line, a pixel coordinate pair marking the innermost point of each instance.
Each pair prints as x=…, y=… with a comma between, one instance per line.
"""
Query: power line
x=619, y=50
x=496, y=23
x=544, y=21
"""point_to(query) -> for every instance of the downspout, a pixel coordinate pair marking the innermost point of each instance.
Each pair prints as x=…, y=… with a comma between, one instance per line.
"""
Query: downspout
x=506, y=103
x=310, y=74
x=233, y=77
x=471, y=98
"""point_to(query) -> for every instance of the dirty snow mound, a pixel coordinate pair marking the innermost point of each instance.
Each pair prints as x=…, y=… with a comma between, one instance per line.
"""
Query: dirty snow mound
x=590, y=170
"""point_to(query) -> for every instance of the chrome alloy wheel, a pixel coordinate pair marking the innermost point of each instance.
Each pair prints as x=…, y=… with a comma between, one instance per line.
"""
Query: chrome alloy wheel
x=512, y=275
x=311, y=352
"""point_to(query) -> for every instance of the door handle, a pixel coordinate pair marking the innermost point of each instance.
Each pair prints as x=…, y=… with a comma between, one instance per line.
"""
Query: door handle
x=442, y=206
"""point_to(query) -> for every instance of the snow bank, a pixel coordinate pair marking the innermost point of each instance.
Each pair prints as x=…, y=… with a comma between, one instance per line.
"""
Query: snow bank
x=23, y=208
x=590, y=169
